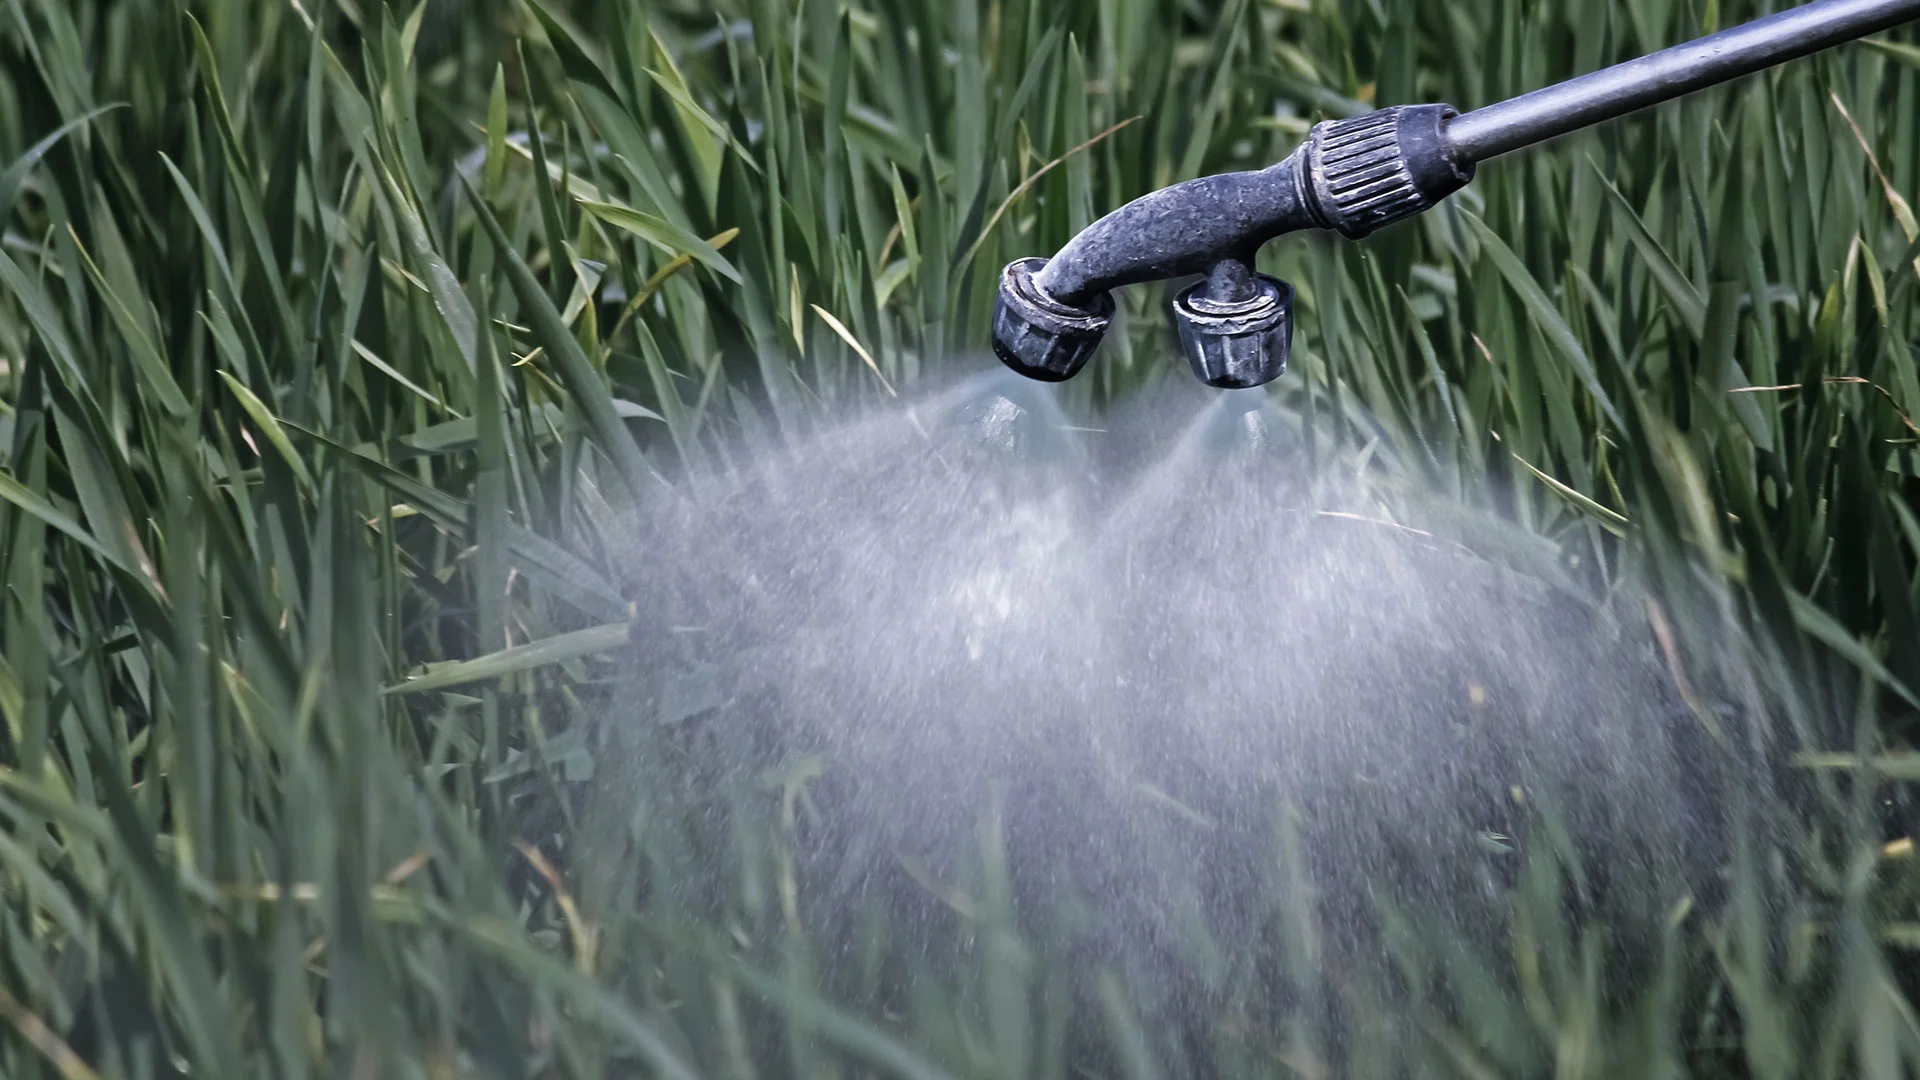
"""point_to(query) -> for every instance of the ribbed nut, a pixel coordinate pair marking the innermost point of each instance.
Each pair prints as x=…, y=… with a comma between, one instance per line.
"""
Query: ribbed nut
x=1370, y=171
x=1241, y=345
x=1038, y=336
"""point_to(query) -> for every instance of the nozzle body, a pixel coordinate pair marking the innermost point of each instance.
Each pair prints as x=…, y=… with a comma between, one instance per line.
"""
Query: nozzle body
x=1352, y=176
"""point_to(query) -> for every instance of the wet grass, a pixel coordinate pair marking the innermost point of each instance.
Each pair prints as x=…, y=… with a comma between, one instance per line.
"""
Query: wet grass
x=337, y=341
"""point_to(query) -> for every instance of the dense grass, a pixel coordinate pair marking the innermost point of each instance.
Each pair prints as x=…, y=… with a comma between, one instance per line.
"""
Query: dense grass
x=335, y=341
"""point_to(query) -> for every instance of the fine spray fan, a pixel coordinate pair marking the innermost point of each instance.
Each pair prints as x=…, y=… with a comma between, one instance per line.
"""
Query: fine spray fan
x=1351, y=176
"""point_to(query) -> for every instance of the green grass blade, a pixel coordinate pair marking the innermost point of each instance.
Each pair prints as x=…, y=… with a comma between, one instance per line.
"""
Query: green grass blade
x=1541, y=310
x=519, y=658
x=664, y=235
x=589, y=390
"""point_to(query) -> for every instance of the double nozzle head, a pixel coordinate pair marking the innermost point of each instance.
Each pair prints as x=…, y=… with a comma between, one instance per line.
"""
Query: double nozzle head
x=1352, y=176
x=1235, y=326
x=1234, y=337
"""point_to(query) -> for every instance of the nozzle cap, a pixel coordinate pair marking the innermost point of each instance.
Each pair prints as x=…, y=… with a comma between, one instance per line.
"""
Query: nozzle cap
x=1237, y=345
x=1040, y=337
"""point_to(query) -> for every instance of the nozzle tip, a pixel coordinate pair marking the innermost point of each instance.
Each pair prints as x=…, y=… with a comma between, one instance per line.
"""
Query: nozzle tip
x=1237, y=345
x=1038, y=336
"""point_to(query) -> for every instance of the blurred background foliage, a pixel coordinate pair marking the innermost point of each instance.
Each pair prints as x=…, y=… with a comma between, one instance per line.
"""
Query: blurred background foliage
x=337, y=339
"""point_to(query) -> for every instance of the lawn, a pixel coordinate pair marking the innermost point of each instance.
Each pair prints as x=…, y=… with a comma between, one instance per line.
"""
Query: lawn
x=347, y=351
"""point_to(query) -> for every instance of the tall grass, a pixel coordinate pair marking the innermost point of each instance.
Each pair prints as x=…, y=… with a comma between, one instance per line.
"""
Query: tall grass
x=336, y=340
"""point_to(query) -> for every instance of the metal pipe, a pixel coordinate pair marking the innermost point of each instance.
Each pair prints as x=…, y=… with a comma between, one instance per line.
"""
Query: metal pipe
x=1624, y=88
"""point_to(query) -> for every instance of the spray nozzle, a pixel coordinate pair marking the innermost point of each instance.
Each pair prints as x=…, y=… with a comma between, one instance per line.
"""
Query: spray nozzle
x=1351, y=176
x=1236, y=327
x=1040, y=337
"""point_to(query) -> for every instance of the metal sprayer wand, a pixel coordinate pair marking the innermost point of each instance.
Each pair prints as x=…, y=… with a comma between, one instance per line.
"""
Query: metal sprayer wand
x=1352, y=176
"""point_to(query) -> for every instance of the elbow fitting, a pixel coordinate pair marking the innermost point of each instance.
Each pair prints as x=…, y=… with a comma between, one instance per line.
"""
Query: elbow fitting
x=1351, y=176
